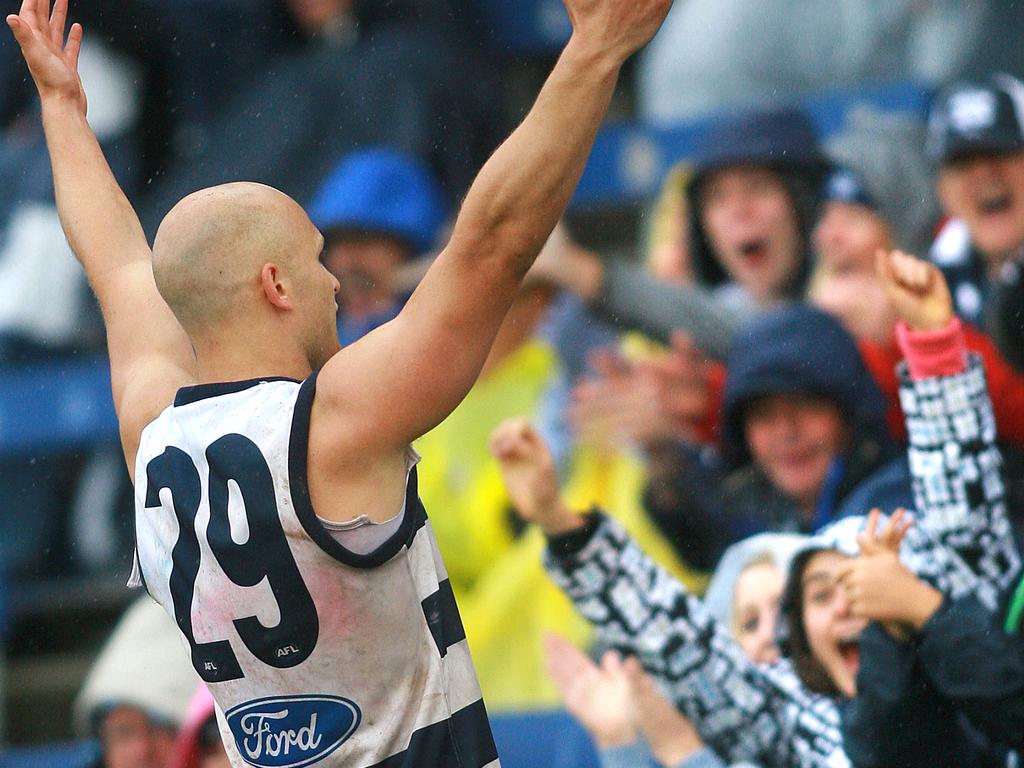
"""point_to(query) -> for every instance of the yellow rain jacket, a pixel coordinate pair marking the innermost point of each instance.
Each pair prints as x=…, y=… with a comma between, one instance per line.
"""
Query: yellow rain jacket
x=505, y=598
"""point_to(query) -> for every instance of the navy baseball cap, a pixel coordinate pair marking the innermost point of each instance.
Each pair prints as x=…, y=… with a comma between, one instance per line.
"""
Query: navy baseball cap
x=382, y=191
x=977, y=118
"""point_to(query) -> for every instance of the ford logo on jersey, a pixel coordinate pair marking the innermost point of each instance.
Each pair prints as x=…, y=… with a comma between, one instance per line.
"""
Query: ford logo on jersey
x=292, y=731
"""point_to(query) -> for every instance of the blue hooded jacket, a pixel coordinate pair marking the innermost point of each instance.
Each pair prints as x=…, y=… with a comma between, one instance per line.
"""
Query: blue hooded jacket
x=703, y=504
x=802, y=350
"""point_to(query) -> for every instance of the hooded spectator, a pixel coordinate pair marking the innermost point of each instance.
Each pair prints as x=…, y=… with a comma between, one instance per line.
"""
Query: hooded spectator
x=746, y=589
x=376, y=210
x=804, y=441
x=753, y=199
x=750, y=203
x=803, y=421
x=138, y=691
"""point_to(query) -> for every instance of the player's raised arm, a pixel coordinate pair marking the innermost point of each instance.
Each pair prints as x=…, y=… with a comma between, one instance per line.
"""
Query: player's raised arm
x=150, y=355
x=404, y=378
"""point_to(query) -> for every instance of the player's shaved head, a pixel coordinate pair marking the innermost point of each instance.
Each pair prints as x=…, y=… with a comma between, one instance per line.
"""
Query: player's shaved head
x=211, y=247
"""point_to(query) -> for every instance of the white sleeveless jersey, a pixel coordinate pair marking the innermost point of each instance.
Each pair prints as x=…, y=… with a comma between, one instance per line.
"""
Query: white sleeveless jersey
x=315, y=655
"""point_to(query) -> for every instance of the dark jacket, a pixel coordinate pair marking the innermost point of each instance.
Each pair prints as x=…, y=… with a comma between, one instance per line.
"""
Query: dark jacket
x=704, y=503
x=911, y=722
x=970, y=659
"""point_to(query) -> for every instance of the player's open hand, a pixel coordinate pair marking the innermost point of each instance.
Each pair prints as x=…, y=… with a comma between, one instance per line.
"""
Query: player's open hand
x=52, y=60
x=917, y=290
x=616, y=28
x=528, y=470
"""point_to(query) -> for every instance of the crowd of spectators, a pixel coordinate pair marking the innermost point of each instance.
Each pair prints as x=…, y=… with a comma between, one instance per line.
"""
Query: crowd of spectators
x=731, y=400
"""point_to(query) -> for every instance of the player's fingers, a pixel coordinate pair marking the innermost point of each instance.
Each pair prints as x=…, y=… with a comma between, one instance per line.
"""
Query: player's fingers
x=42, y=8
x=58, y=19
x=20, y=30
x=28, y=14
x=74, y=46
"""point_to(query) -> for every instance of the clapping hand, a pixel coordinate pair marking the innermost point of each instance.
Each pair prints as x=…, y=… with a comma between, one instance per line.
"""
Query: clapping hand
x=617, y=701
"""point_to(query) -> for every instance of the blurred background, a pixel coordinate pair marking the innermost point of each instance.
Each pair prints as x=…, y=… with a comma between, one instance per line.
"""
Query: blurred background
x=376, y=114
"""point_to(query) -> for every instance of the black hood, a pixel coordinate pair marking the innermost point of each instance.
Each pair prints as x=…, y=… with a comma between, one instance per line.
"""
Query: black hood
x=782, y=140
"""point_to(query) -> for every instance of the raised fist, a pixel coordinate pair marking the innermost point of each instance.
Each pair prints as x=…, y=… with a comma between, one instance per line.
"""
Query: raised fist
x=530, y=478
x=917, y=290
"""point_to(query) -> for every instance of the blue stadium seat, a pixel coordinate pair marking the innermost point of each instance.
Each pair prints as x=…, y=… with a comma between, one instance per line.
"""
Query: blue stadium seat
x=542, y=740
x=53, y=406
x=630, y=160
x=77, y=755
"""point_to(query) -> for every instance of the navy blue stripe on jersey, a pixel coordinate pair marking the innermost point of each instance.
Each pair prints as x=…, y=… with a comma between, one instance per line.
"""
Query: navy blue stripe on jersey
x=462, y=741
x=443, y=617
x=298, y=452
x=193, y=394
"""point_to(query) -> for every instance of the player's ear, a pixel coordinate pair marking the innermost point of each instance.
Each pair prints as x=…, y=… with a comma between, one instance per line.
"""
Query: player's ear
x=274, y=288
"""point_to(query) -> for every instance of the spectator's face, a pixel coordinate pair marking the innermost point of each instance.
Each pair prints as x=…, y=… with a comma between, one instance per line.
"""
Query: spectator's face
x=366, y=267
x=794, y=439
x=130, y=740
x=752, y=227
x=756, y=611
x=847, y=237
x=832, y=633
x=987, y=192
x=314, y=15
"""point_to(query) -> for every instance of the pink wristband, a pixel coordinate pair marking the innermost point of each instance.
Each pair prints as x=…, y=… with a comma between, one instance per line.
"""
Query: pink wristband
x=933, y=353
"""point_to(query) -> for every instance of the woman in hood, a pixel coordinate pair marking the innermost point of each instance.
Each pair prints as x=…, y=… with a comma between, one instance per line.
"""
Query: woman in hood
x=746, y=590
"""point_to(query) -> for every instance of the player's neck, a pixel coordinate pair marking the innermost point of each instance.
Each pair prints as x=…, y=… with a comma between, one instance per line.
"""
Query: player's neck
x=241, y=362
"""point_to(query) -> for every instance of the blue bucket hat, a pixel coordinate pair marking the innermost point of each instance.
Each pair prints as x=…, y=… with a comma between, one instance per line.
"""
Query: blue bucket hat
x=382, y=191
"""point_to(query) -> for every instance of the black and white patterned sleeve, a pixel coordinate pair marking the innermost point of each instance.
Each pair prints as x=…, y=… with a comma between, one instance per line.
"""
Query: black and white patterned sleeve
x=742, y=711
x=958, y=488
